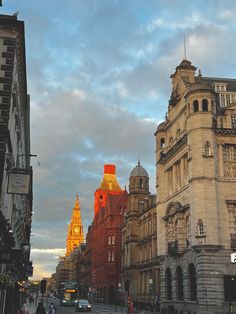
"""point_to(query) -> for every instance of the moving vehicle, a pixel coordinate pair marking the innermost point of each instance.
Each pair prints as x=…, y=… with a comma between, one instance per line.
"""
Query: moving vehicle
x=69, y=293
x=83, y=306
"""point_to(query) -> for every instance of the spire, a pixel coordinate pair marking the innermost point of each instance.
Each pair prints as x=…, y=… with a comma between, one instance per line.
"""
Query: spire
x=185, y=58
x=75, y=234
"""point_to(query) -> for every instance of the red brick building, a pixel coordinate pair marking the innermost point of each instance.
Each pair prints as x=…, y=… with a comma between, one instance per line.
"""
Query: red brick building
x=109, y=206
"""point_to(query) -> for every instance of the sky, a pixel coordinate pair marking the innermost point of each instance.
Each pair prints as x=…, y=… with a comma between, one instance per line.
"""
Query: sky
x=98, y=74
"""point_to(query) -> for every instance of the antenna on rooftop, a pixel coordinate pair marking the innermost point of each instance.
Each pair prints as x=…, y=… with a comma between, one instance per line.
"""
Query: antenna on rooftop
x=184, y=48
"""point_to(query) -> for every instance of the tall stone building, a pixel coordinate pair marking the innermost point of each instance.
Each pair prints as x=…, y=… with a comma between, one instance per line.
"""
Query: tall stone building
x=139, y=241
x=15, y=168
x=75, y=234
x=196, y=189
x=110, y=202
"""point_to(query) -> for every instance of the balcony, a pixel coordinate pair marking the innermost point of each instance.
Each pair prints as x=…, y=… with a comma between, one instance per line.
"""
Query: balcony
x=176, y=248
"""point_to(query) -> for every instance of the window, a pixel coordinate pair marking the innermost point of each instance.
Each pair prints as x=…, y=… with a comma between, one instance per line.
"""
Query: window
x=220, y=88
x=192, y=282
x=109, y=240
x=195, y=106
x=229, y=152
x=112, y=256
x=162, y=143
x=168, y=284
x=207, y=149
x=109, y=256
x=204, y=105
x=200, y=228
x=170, y=180
x=233, y=121
x=185, y=169
x=179, y=283
x=113, y=240
x=171, y=141
x=178, y=175
x=140, y=183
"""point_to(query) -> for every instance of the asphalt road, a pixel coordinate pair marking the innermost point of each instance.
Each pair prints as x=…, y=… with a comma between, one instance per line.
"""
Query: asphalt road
x=96, y=308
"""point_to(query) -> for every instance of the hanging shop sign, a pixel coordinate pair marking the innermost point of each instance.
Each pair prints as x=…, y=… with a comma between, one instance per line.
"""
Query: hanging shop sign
x=18, y=183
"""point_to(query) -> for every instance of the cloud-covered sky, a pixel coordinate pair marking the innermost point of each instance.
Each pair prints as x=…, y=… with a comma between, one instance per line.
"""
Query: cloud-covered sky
x=98, y=75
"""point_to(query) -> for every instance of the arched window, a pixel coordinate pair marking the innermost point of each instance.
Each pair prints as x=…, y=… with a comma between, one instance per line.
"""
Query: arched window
x=192, y=282
x=195, y=106
x=140, y=183
x=205, y=105
x=168, y=285
x=162, y=143
x=200, y=228
x=171, y=141
x=179, y=284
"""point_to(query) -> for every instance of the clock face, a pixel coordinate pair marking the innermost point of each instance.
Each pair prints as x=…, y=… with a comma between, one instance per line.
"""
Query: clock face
x=76, y=230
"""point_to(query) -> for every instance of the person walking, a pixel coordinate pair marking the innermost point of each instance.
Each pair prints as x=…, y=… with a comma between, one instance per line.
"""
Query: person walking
x=52, y=309
x=40, y=309
x=23, y=309
x=131, y=308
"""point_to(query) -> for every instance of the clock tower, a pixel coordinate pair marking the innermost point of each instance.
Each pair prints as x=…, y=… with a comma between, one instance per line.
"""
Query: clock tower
x=75, y=234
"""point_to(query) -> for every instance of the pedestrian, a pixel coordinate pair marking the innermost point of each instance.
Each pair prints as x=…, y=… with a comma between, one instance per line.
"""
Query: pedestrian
x=131, y=308
x=40, y=309
x=52, y=309
x=23, y=309
x=31, y=300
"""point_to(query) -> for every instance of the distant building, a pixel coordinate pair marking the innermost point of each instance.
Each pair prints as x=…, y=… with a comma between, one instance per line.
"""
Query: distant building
x=104, y=236
x=15, y=153
x=87, y=275
x=68, y=266
x=196, y=189
x=140, y=271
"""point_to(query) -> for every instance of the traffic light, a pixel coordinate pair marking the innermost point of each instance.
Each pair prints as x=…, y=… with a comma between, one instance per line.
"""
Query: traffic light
x=43, y=284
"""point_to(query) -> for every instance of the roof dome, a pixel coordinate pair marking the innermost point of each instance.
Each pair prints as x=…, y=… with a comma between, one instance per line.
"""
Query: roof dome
x=139, y=171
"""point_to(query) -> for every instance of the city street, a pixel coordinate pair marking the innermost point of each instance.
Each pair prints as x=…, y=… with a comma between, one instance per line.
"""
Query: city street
x=96, y=308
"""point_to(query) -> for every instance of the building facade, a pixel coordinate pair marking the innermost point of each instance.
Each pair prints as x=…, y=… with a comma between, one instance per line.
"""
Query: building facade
x=110, y=202
x=196, y=191
x=140, y=275
x=15, y=200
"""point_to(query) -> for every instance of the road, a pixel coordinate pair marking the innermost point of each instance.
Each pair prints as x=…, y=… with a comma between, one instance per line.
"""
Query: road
x=96, y=308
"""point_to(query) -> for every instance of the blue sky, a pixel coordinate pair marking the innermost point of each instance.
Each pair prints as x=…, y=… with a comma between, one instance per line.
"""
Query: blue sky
x=99, y=79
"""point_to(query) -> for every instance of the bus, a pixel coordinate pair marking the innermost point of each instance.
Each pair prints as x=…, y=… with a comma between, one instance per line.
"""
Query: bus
x=68, y=293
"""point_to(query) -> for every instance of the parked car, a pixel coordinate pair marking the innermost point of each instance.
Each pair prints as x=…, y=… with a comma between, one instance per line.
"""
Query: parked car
x=83, y=306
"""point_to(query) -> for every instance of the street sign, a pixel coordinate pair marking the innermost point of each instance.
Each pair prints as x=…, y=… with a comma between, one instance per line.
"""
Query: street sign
x=233, y=257
x=8, y=256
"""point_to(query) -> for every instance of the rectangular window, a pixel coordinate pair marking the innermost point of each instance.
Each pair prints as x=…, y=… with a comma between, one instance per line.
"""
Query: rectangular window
x=170, y=180
x=178, y=175
x=109, y=240
x=229, y=152
x=112, y=256
x=233, y=121
x=113, y=240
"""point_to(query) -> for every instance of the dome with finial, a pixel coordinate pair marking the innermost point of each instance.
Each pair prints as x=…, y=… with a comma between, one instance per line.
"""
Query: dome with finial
x=139, y=171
